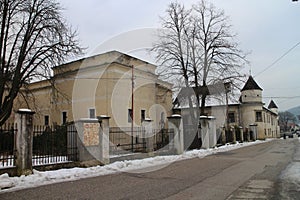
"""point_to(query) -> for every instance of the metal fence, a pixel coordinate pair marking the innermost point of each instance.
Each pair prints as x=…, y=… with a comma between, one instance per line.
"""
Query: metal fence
x=127, y=139
x=54, y=145
x=162, y=138
x=135, y=140
x=7, y=145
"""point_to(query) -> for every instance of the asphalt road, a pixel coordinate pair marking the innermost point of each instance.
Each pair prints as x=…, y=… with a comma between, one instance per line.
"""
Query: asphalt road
x=246, y=173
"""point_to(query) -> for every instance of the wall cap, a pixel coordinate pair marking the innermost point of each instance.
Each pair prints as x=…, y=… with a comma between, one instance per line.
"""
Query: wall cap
x=88, y=120
x=103, y=117
x=175, y=116
x=25, y=111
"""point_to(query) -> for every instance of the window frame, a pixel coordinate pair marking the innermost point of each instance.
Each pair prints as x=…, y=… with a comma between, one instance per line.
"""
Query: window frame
x=129, y=115
x=89, y=113
x=258, y=116
x=231, y=119
x=46, y=120
x=64, y=117
x=143, y=115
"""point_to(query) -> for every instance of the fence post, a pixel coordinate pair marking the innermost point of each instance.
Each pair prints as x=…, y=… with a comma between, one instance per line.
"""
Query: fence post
x=204, y=130
x=223, y=135
x=175, y=123
x=149, y=136
x=241, y=134
x=212, y=131
x=88, y=133
x=24, y=118
x=233, y=134
x=248, y=135
x=104, y=139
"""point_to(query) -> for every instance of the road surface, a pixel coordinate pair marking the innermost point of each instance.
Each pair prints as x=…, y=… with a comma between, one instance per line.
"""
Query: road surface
x=246, y=173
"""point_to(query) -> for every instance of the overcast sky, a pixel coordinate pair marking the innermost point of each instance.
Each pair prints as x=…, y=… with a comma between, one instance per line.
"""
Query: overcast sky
x=266, y=28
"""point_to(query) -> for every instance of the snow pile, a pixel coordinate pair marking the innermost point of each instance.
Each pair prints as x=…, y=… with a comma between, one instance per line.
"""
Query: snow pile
x=134, y=166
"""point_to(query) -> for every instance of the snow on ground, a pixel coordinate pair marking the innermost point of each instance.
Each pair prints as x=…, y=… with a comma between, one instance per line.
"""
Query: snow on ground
x=292, y=172
x=39, y=178
x=290, y=178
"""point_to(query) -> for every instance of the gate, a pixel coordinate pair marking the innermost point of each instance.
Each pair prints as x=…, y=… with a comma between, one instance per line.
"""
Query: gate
x=162, y=138
x=7, y=145
x=127, y=139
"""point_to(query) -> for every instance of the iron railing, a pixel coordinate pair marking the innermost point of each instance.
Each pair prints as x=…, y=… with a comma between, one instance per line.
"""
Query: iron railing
x=127, y=139
x=7, y=145
x=54, y=145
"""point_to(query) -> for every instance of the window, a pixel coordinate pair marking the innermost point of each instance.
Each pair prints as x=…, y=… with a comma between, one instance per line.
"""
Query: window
x=46, y=120
x=231, y=117
x=92, y=113
x=162, y=120
x=272, y=123
x=64, y=117
x=258, y=116
x=130, y=115
x=143, y=115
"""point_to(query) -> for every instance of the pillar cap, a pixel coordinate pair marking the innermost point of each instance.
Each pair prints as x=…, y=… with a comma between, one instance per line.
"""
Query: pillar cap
x=175, y=116
x=252, y=124
x=147, y=120
x=103, y=117
x=206, y=117
x=25, y=111
x=87, y=120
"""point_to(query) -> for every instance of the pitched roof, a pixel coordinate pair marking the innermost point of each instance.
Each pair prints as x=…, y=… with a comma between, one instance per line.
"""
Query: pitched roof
x=251, y=85
x=272, y=105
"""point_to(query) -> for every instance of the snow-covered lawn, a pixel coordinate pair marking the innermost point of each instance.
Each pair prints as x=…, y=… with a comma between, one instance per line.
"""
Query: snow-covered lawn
x=134, y=166
x=36, y=160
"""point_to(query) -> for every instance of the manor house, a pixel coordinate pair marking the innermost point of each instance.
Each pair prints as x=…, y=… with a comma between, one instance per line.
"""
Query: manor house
x=111, y=84
x=248, y=113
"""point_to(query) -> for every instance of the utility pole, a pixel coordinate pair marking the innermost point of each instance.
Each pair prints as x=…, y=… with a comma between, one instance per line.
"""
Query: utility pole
x=132, y=105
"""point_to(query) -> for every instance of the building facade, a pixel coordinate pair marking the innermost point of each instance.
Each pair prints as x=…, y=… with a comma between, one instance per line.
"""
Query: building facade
x=248, y=114
x=254, y=115
x=111, y=84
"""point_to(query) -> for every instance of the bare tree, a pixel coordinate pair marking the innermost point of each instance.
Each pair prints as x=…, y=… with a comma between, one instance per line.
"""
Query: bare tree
x=172, y=49
x=285, y=118
x=197, y=46
x=33, y=38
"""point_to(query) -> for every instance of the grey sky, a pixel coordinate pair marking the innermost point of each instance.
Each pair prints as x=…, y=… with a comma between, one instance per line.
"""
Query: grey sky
x=266, y=28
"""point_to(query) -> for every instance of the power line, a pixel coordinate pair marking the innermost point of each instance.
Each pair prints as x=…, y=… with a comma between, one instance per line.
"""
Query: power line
x=282, y=97
x=278, y=59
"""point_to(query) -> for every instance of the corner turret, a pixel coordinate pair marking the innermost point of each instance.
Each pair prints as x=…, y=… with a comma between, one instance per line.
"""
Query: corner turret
x=251, y=92
x=273, y=107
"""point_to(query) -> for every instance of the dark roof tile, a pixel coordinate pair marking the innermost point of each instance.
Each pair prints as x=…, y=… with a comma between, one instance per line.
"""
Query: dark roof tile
x=251, y=85
x=272, y=105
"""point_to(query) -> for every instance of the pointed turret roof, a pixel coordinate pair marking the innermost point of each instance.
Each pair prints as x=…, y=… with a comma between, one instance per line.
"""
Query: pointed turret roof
x=251, y=85
x=272, y=105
